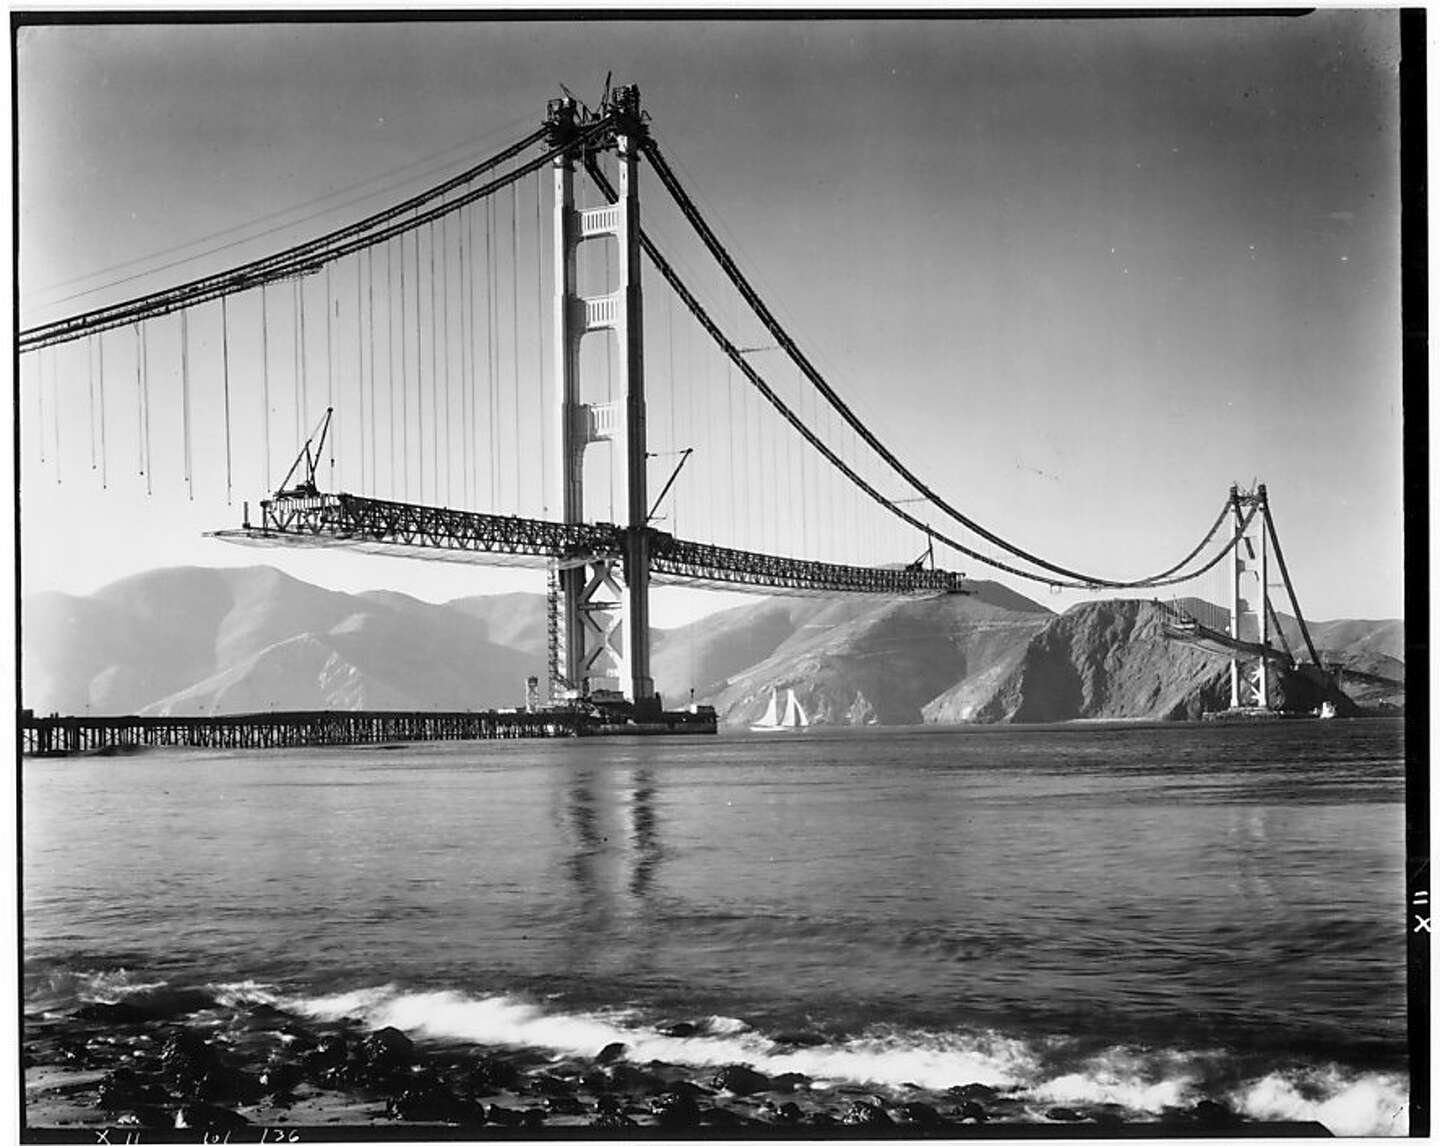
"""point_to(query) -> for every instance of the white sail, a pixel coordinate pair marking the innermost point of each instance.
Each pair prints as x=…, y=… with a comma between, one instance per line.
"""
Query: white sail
x=771, y=719
x=794, y=712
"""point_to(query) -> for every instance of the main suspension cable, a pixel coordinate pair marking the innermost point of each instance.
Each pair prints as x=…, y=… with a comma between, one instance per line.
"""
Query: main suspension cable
x=1289, y=588
x=303, y=258
x=738, y=279
x=740, y=361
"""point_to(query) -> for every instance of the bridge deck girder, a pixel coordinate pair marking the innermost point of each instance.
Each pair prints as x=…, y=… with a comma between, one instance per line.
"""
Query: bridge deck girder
x=440, y=534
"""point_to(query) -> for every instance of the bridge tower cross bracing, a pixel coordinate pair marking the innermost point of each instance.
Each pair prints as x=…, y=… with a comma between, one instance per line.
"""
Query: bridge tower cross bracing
x=1249, y=584
x=602, y=632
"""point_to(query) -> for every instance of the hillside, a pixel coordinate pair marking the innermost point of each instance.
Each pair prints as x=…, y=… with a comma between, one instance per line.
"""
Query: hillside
x=1103, y=659
x=191, y=641
x=858, y=662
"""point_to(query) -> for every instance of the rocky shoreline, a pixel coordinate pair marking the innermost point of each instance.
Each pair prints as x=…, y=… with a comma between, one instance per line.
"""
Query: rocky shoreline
x=261, y=1074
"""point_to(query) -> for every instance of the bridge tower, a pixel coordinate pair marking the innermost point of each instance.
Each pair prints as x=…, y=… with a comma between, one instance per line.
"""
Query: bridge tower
x=600, y=601
x=1249, y=601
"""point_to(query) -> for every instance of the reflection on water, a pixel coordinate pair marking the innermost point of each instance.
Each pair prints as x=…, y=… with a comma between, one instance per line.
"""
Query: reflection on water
x=611, y=853
x=642, y=819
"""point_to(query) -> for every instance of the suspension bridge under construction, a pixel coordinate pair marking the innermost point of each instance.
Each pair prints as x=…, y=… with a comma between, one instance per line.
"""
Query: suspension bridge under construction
x=472, y=363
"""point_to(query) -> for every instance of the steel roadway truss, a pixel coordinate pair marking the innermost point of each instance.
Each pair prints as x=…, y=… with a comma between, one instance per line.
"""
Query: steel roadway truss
x=405, y=529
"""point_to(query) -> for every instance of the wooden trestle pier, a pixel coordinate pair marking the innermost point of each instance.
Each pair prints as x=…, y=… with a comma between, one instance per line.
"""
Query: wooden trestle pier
x=57, y=735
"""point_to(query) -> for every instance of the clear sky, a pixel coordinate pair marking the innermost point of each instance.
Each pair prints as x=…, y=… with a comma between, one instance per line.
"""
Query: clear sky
x=1079, y=274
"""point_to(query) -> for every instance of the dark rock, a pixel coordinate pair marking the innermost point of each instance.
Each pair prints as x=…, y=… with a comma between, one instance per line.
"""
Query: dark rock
x=675, y=1110
x=607, y=1104
x=532, y=1118
x=203, y=1116
x=427, y=1100
x=548, y=1084
x=280, y=1075
x=385, y=1053
x=264, y=1017
x=594, y=1081
x=740, y=1080
x=970, y=1111
x=223, y=1085
x=726, y=1118
x=111, y=1013
x=564, y=1104
x=612, y=1120
x=685, y=1086
x=322, y=1062
x=1064, y=1114
x=73, y=1051
x=504, y=1116
x=154, y=1117
x=1207, y=1112
x=297, y=1040
x=919, y=1114
x=786, y=1114
x=864, y=1114
x=681, y=1030
x=822, y=1118
x=623, y=1076
x=789, y=1081
x=975, y=1091
x=497, y=1073
x=123, y=1089
x=611, y=1052
x=172, y=1004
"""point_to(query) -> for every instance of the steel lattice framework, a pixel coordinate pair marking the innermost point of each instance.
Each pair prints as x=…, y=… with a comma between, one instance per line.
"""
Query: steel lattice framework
x=403, y=529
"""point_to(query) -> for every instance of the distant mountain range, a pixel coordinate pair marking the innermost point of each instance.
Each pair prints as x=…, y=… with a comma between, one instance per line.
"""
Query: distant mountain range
x=193, y=641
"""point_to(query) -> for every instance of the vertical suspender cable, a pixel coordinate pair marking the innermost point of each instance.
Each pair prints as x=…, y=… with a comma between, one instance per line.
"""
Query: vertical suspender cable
x=434, y=375
x=515, y=329
x=55, y=408
x=540, y=337
x=145, y=404
x=370, y=305
x=390, y=360
x=360, y=363
x=445, y=341
x=185, y=398
x=670, y=389
x=304, y=369
x=490, y=362
x=295, y=342
x=419, y=381
x=611, y=343
x=90, y=376
x=265, y=378
x=466, y=488
x=225, y=375
x=404, y=387
x=100, y=354
x=789, y=444
x=139, y=407
x=330, y=371
x=730, y=434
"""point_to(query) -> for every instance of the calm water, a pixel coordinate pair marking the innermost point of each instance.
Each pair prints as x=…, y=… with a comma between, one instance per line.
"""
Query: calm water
x=1140, y=914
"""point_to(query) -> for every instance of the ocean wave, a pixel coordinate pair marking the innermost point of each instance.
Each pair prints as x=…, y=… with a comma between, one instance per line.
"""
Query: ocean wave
x=1037, y=1072
x=1365, y=1104
x=63, y=988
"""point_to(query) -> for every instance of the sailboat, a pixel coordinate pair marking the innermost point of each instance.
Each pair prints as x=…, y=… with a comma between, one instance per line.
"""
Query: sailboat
x=793, y=718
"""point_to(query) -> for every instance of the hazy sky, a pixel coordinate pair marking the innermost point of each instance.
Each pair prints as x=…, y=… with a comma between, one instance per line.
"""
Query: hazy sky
x=1080, y=274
